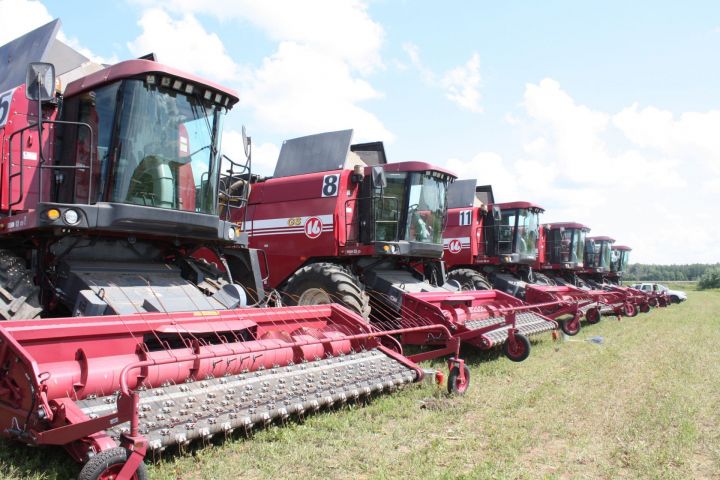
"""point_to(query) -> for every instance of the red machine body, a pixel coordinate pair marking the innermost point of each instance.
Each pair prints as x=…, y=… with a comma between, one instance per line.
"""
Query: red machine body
x=491, y=244
x=368, y=234
x=118, y=339
x=295, y=210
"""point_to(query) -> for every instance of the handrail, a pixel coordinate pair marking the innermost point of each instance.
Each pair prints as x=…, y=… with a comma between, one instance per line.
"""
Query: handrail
x=12, y=175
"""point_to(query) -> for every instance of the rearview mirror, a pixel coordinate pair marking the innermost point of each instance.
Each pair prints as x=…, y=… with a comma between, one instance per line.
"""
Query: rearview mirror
x=378, y=177
x=40, y=81
x=497, y=214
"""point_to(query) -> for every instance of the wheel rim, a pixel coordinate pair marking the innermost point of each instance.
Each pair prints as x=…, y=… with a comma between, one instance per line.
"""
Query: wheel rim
x=314, y=296
x=112, y=472
x=460, y=385
x=516, y=348
x=572, y=326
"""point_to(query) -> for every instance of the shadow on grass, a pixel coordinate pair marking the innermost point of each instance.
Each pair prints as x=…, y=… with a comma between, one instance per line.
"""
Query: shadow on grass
x=21, y=461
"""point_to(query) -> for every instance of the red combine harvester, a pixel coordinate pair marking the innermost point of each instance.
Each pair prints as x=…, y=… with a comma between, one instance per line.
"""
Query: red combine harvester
x=368, y=234
x=564, y=259
x=598, y=259
x=497, y=245
x=118, y=341
x=619, y=257
x=491, y=245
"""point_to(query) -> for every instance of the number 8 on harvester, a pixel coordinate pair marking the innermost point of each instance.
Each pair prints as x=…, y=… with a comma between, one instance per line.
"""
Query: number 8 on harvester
x=330, y=185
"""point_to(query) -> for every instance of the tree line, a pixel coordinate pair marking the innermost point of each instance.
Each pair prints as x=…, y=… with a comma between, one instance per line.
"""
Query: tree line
x=667, y=273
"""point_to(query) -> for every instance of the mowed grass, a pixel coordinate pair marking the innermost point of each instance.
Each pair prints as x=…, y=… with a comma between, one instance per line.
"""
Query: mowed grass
x=643, y=404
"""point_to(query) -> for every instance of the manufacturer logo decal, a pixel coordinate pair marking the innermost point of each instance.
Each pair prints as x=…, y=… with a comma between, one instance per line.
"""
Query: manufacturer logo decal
x=454, y=246
x=313, y=227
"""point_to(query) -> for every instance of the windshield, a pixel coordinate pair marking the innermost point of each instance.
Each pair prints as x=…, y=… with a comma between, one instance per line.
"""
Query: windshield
x=615, y=260
x=566, y=245
x=528, y=224
x=604, y=254
x=426, y=208
x=624, y=258
x=424, y=193
x=619, y=260
x=518, y=232
x=154, y=147
x=578, y=245
x=591, y=249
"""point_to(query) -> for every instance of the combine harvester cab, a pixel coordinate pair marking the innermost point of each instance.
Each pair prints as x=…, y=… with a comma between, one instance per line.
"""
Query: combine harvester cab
x=593, y=278
x=563, y=261
x=499, y=245
x=368, y=234
x=619, y=258
x=117, y=340
x=491, y=245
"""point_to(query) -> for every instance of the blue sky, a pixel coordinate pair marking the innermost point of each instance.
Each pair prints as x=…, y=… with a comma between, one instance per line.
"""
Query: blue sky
x=606, y=113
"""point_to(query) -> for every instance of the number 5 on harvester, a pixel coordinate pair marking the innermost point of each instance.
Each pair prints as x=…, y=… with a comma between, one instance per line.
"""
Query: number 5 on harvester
x=5, y=98
x=330, y=185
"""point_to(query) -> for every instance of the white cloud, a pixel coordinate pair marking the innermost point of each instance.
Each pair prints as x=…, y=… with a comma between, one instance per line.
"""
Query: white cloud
x=644, y=176
x=339, y=29
x=264, y=156
x=75, y=43
x=299, y=89
x=183, y=43
x=316, y=79
x=462, y=84
x=17, y=17
x=692, y=134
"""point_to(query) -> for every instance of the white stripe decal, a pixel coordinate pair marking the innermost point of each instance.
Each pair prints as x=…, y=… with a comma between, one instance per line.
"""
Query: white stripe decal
x=284, y=222
x=463, y=240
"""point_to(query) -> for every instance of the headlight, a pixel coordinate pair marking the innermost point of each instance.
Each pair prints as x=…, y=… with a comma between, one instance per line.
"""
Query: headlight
x=231, y=233
x=71, y=217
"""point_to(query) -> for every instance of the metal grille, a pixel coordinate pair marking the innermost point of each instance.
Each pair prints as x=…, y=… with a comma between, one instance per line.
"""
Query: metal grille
x=178, y=414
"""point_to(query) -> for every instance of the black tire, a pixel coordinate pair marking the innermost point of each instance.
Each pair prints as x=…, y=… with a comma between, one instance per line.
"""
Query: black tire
x=454, y=385
x=518, y=351
x=644, y=307
x=470, y=279
x=570, y=327
x=593, y=316
x=104, y=464
x=339, y=285
x=19, y=296
x=674, y=299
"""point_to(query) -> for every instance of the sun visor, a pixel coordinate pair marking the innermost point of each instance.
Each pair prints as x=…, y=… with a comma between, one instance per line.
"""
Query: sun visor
x=314, y=153
x=461, y=193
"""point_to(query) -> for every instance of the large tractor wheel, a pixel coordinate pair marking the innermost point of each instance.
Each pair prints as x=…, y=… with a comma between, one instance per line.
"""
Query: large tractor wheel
x=19, y=296
x=470, y=279
x=323, y=283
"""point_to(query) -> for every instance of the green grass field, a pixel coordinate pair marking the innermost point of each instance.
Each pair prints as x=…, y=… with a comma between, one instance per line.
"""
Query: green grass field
x=644, y=404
